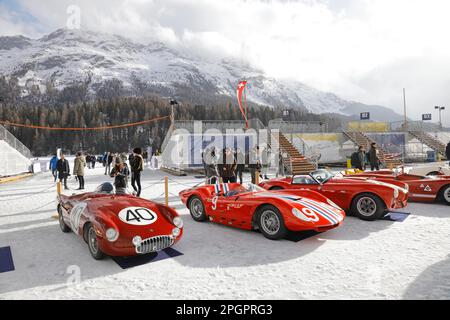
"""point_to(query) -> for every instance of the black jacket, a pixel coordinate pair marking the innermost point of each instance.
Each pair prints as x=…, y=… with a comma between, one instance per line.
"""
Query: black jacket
x=63, y=167
x=137, y=165
x=447, y=151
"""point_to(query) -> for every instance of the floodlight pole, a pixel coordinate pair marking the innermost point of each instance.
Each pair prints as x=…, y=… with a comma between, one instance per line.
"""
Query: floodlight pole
x=440, y=109
x=172, y=117
x=404, y=110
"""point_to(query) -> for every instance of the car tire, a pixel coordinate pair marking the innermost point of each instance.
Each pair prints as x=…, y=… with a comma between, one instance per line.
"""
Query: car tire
x=276, y=188
x=64, y=227
x=445, y=194
x=197, y=209
x=368, y=207
x=92, y=241
x=271, y=223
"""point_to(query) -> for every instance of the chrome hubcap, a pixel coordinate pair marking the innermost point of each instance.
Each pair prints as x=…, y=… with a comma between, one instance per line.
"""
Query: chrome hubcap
x=367, y=206
x=93, y=241
x=270, y=222
x=196, y=208
x=447, y=194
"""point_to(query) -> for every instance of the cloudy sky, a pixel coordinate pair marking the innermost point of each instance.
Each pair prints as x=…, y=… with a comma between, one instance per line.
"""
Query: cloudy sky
x=363, y=50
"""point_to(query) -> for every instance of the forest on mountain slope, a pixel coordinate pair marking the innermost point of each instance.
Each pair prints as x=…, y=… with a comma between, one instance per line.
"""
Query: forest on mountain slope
x=76, y=107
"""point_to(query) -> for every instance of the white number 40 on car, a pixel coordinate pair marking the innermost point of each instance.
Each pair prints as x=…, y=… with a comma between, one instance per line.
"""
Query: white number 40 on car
x=138, y=216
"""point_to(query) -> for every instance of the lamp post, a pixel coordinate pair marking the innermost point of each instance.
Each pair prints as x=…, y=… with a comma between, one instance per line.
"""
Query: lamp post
x=172, y=104
x=440, y=109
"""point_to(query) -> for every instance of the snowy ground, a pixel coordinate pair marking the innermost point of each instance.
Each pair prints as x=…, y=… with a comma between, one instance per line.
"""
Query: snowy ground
x=360, y=260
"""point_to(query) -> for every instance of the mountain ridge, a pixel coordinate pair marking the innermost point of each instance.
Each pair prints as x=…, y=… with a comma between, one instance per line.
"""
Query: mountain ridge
x=67, y=56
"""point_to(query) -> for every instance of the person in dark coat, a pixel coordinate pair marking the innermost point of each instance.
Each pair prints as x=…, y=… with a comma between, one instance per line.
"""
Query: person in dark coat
x=359, y=159
x=93, y=161
x=137, y=167
x=109, y=161
x=63, y=169
x=240, y=164
x=373, y=157
x=447, y=152
x=120, y=173
x=227, y=166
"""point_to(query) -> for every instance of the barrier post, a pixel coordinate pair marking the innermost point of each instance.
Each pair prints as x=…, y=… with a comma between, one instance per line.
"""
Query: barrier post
x=349, y=163
x=166, y=190
x=257, y=177
x=59, y=188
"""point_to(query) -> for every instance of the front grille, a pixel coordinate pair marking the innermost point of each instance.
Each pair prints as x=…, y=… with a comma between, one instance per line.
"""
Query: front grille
x=155, y=244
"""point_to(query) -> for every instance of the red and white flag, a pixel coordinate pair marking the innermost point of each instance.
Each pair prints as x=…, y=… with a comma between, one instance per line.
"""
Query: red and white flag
x=240, y=95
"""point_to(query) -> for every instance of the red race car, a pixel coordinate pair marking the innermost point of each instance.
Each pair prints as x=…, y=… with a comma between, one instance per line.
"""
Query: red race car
x=369, y=200
x=251, y=207
x=119, y=224
x=421, y=188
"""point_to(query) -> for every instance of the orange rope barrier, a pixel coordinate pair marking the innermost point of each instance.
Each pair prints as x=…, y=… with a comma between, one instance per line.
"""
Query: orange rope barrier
x=6, y=123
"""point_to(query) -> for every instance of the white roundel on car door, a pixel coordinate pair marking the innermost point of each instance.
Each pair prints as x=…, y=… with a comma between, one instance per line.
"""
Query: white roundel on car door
x=138, y=216
x=75, y=216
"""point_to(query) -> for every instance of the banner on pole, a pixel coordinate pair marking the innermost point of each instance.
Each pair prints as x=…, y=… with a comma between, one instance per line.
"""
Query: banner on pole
x=240, y=95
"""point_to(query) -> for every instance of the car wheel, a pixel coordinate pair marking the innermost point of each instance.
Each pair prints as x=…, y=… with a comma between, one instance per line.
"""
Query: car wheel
x=445, y=194
x=271, y=223
x=276, y=188
x=368, y=207
x=197, y=209
x=64, y=227
x=92, y=241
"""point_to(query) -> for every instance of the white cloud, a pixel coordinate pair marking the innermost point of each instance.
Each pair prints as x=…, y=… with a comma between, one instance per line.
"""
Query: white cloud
x=365, y=50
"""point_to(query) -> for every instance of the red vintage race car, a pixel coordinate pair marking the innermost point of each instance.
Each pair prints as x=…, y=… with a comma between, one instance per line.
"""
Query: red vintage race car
x=421, y=188
x=119, y=224
x=250, y=207
x=366, y=198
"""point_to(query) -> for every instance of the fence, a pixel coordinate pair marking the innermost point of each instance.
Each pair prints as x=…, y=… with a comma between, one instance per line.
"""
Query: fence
x=7, y=136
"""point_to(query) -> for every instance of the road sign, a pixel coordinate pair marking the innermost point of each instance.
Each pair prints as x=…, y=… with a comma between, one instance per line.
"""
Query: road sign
x=426, y=117
x=365, y=115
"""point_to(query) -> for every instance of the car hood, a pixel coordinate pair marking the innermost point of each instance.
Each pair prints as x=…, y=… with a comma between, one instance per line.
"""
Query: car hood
x=368, y=180
x=130, y=212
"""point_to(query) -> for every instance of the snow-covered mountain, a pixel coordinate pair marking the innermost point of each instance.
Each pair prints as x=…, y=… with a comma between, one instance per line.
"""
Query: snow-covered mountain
x=67, y=56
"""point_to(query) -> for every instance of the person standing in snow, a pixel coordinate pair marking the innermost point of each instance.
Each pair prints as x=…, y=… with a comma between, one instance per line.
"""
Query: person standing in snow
x=240, y=164
x=78, y=169
x=63, y=168
x=53, y=163
x=373, y=158
x=137, y=167
x=120, y=173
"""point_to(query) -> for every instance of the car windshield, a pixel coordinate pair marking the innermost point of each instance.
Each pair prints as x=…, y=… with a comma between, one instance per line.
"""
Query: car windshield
x=244, y=188
x=109, y=188
x=322, y=176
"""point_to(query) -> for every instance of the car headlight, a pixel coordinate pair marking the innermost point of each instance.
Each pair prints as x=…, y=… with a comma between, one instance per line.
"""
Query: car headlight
x=112, y=234
x=176, y=232
x=137, y=241
x=396, y=193
x=178, y=222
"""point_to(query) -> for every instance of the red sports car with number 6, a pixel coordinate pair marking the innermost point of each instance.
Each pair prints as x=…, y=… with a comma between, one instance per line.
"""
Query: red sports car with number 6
x=119, y=224
x=421, y=188
x=251, y=207
x=366, y=198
